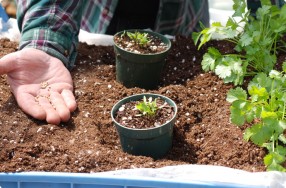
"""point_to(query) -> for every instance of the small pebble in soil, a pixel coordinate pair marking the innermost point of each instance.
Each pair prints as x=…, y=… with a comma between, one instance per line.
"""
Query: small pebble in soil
x=122, y=108
x=86, y=114
x=39, y=129
x=53, y=148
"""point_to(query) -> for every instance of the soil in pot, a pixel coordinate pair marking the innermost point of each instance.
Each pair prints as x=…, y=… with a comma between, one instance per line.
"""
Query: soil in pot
x=129, y=116
x=150, y=44
x=89, y=141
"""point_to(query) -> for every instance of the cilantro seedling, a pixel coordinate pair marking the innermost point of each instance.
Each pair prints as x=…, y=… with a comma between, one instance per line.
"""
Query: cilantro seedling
x=256, y=40
x=265, y=108
x=148, y=108
x=139, y=38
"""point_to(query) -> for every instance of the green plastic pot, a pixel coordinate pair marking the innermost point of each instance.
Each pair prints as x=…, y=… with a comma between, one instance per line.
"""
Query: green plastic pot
x=140, y=70
x=151, y=142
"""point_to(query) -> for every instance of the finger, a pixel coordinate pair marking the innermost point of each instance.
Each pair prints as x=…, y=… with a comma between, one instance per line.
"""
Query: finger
x=59, y=104
x=69, y=99
x=7, y=63
x=30, y=106
x=52, y=115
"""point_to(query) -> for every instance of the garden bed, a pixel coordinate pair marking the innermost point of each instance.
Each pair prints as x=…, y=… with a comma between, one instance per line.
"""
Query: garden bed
x=89, y=142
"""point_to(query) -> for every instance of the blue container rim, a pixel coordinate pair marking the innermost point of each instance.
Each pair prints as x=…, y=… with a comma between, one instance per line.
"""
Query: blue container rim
x=57, y=178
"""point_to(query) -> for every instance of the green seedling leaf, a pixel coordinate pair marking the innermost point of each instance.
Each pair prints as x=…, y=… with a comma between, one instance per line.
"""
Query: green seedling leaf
x=139, y=38
x=147, y=107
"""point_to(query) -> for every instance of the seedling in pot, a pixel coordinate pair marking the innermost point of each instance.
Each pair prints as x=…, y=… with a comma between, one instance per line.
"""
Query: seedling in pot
x=148, y=108
x=139, y=38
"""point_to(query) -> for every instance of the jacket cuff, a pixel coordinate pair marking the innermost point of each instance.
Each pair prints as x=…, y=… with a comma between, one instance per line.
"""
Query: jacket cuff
x=53, y=43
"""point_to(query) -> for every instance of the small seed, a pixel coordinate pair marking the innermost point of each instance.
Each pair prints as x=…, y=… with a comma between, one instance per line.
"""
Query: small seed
x=44, y=85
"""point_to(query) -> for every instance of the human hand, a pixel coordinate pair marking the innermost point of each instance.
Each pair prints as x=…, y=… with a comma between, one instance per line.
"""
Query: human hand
x=41, y=84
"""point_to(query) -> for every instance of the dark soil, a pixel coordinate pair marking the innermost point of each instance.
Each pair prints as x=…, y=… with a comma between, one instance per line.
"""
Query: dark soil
x=89, y=142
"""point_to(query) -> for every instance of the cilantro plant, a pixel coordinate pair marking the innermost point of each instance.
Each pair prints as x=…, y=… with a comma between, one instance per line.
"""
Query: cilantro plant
x=139, y=38
x=148, y=108
x=265, y=108
x=256, y=40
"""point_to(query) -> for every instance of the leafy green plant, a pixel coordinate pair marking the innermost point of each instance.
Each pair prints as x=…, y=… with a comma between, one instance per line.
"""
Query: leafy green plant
x=265, y=108
x=147, y=107
x=139, y=38
x=255, y=38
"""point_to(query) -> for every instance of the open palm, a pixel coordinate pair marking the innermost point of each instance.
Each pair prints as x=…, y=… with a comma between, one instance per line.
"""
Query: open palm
x=41, y=84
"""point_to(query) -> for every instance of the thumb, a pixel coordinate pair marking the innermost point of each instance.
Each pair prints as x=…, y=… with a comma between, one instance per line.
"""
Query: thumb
x=7, y=63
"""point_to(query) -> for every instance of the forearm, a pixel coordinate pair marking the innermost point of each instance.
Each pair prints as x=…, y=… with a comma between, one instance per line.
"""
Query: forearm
x=51, y=26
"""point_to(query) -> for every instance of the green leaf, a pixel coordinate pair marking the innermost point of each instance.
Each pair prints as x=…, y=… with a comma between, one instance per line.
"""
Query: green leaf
x=281, y=150
x=147, y=107
x=208, y=62
x=214, y=52
x=266, y=2
x=236, y=94
x=261, y=80
x=239, y=8
x=210, y=58
x=236, y=116
x=204, y=37
x=231, y=23
x=258, y=134
x=196, y=36
x=259, y=93
x=283, y=12
x=265, y=114
x=284, y=66
x=250, y=115
x=246, y=39
x=264, y=10
x=282, y=138
x=282, y=124
x=223, y=71
x=275, y=74
x=273, y=161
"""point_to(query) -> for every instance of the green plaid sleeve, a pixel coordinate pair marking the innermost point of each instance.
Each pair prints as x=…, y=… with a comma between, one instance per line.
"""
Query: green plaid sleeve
x=51, y=26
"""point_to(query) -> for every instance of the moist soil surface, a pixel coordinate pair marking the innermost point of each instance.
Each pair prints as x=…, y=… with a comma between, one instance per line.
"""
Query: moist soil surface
x=89, y=142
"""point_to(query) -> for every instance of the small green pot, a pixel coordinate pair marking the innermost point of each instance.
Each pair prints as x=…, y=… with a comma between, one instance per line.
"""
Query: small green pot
x=140, y=70
x=151, y=142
